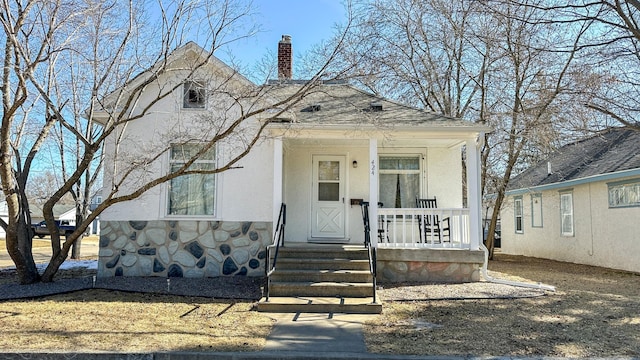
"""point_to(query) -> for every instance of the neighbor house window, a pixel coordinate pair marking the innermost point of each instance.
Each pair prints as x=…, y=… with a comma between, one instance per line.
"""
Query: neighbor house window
x=624, y=194
x=566, y=213
x=399, y=181
x=517, y=213
x=192, y=194
x=536, y=210
x=194, y=96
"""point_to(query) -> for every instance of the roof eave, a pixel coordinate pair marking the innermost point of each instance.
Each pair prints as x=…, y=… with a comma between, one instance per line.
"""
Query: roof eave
x=575, y=182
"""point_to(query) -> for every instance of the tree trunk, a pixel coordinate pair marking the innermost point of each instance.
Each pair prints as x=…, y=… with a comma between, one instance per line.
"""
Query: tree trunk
x=19, y=244
x=75, y=248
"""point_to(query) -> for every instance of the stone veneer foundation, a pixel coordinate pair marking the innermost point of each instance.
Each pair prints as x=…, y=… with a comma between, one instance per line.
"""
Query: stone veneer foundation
x=429, y=265
x=181, y=248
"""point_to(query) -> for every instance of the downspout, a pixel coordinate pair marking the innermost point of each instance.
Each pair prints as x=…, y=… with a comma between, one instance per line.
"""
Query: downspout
x=539, y=286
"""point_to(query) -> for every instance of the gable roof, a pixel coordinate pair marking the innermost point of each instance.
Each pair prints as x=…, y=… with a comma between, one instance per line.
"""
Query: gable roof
x=200, y=58
x=338, y=103
x=612, y=153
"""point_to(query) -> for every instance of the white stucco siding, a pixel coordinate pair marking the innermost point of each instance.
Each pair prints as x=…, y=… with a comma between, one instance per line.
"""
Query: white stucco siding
x=242, y=194
x=444, y=176
x=246, y=193
x=607, y=237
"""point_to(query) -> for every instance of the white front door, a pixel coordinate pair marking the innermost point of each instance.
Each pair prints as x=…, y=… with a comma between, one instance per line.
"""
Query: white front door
x=328, y=208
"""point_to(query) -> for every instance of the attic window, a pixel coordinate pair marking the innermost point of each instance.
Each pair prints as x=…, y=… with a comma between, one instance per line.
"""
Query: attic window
x=194, y=96
x=375, y=106
x=312, y=108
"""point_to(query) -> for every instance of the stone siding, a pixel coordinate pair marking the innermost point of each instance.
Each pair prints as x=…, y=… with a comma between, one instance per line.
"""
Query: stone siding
x=193, y=249
x=429, y=265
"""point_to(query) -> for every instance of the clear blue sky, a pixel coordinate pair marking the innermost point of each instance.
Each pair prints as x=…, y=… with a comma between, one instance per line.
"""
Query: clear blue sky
x=307, y=21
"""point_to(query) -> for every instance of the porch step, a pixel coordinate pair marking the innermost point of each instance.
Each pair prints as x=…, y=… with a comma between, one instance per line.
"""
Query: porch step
x=352, y=252
x=322, y=275
x=320, y=264
x=322, y=289
x=320, y=305
x=321, y=278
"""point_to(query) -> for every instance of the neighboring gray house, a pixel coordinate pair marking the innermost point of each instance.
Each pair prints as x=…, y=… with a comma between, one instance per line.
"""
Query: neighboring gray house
x=581, y=205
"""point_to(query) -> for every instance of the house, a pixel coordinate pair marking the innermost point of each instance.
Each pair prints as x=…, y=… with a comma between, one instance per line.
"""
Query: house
x=581, y=205
x=333, y=151
x=60, y=212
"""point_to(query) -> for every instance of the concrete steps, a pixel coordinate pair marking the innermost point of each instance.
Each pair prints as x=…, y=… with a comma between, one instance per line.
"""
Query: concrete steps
x=309, y=304
x=321, y=278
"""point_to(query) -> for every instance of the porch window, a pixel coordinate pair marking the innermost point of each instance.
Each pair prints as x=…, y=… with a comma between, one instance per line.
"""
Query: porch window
x=566, y=213
x=518, y=214
x=624, y=194
x=192, y=194
x=399, y=181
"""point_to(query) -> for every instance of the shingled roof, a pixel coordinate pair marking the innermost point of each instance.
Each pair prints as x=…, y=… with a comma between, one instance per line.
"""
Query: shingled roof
x=338, y=103
x=611, y=151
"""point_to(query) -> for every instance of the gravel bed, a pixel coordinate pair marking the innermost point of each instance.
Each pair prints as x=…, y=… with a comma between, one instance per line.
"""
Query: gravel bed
x=466, y=291
x=75, y=279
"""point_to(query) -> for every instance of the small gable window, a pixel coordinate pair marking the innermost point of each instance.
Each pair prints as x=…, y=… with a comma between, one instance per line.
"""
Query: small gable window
x=624, y=194
x=194, y=96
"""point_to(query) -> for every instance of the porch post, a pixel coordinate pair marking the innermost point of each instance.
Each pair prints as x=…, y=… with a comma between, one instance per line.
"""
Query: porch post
x=373, y=190
x=473, y=192
x=277, y=177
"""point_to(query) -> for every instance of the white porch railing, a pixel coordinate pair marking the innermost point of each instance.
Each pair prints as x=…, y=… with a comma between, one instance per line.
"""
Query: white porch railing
x=402, y=228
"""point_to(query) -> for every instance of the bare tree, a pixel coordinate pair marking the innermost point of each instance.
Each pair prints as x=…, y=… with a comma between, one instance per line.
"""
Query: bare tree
x=493, y=63
x=88, y=71
x=610, y=52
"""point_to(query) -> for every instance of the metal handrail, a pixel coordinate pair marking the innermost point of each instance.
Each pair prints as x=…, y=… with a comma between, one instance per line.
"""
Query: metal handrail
x=371, y=250
x=278, y=240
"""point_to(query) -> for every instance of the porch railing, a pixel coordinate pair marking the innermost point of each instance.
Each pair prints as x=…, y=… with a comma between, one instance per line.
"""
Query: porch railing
x=371, y=250
x=404, y=228
x=278, y=241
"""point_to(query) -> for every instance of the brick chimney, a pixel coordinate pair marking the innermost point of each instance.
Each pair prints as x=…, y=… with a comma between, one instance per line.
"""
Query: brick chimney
x=285, y=58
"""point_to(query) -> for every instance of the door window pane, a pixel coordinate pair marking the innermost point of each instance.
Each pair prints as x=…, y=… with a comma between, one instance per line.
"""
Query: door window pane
x=329, y=192
x=329, y=170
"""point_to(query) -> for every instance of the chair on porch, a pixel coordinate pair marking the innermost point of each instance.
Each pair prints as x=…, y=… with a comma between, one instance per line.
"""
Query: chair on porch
x=429, y=225
x=383, y=227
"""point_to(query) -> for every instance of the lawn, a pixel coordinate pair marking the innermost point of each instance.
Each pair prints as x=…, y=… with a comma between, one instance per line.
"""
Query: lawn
x=102, y=320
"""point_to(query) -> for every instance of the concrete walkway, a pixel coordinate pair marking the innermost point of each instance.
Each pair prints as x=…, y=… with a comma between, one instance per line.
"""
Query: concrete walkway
x=317, y=333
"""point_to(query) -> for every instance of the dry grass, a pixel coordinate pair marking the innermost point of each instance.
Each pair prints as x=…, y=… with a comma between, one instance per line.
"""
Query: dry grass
x=594, y=313
x=100, y=320
x=37, y=243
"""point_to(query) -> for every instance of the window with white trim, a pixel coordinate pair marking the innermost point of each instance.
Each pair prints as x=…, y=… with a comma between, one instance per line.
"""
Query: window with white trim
x=518, y=214
x=624, y=194
x=536, y=210
x=194, y=95
x=192, y=194
x=566, y=214
x=399, y=182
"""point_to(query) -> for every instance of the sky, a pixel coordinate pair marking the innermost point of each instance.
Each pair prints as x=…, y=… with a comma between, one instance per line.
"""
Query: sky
x=307, y=21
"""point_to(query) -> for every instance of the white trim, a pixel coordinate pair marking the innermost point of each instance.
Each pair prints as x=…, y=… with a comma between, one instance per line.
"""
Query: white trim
x=474, y=197
x=373, y=191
